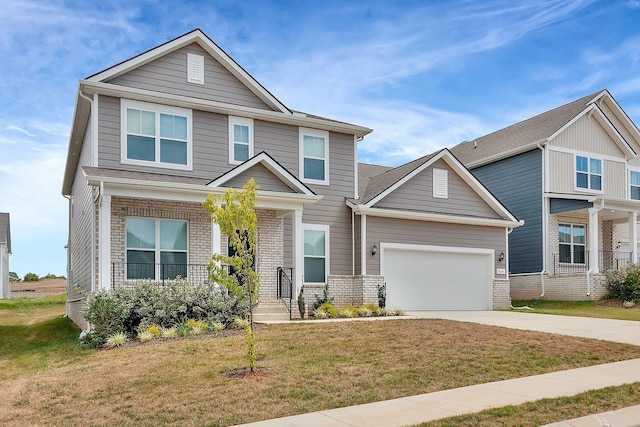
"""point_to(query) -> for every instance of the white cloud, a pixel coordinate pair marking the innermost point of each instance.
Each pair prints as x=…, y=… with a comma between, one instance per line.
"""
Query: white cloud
x=17, y=129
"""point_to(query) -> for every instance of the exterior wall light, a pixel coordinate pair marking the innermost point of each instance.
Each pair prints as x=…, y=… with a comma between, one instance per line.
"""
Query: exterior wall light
x=501, y=257
x=374, y=249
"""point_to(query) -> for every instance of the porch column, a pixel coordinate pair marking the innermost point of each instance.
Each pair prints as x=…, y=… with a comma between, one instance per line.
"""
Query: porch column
x=104, y=233
x=633, y=236
x=363, y=244
x=298, y=251
x=593, y=241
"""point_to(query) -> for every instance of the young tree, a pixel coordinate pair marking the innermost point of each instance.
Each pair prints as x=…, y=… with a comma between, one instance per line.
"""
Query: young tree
x=235, y=213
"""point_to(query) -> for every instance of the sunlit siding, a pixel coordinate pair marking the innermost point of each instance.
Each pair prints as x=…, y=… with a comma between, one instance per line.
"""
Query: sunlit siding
x=586, y=134
x=561, y=170
x=168, y=74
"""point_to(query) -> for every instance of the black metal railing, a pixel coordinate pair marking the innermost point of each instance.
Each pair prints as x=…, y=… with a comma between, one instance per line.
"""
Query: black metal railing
x=565, y=264
x=285, y=287
x=127, y=274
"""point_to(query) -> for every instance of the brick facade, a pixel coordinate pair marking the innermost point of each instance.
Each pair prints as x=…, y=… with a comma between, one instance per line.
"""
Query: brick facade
x=345, y=290
x=568, y=287
x=501, y=294
x=269, y=253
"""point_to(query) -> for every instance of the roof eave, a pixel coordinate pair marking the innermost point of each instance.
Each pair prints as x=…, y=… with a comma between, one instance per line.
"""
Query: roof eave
x=81, y=114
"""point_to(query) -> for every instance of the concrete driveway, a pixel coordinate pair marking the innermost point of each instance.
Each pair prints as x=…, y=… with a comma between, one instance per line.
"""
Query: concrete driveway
x=620, y=331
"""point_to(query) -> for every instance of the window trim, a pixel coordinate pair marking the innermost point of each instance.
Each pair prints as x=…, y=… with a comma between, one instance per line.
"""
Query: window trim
x=319, y=134
x=157, y=250
x=588, y=189
x=157, y=110
x=327, y=246
x=243, y=121
x=572, y=244
x=629, y=185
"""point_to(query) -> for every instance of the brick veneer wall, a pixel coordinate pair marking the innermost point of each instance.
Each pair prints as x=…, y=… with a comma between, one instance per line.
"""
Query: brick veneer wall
x=572, y=218
x=345, y=290
x=269, y=253
x=569, y=287
x=501, y=294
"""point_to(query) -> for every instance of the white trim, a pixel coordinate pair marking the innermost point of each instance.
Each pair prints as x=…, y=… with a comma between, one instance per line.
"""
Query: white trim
x=216, y=236
x=195, y=68
x=440, y=183
x=157, y=109
x=302, y=132
x=363, y=245
x=356, y=191
x=94, y=129
x=241, y=121
x=633, y=235
x=585, y=197
x=298, y=250
x=105, y=241
x=435, y=217
x=628, y=180
x=586, y=154
x=274, y=167
x=327, y=245
x=208, y=45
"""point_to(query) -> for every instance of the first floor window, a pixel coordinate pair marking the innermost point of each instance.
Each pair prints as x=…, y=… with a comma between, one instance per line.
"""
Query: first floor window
x=156, y=249
x=634, y=180
x=572, y=243
x=315, y=254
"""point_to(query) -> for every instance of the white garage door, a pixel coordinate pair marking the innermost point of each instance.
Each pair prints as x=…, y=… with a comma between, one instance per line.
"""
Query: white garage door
x=437, y=278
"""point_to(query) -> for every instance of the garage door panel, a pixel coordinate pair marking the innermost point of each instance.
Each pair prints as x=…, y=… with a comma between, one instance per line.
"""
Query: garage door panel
x=437, y=280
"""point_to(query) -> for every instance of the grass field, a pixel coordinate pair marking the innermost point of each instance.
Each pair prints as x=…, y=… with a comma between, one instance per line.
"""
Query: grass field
x=606, y=309
x=47, y=380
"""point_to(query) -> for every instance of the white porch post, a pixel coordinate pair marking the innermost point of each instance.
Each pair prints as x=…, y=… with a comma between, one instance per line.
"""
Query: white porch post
x=363, y=245
x=633, y=236
x=593, y=240
x=298, y=251
x=216, y=247
x=104, y=233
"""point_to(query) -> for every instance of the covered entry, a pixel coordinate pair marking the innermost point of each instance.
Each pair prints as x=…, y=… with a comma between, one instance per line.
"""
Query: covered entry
x=420, y=277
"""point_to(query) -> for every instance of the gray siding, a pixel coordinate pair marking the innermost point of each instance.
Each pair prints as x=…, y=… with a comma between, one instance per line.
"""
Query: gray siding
x=430, y=233
x=566, y=205
x=263, y=177
x=417, y=195
x=168, y=74
x=517, y=183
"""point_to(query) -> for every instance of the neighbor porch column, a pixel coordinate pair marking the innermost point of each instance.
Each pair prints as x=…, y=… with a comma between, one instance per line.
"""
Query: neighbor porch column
x=104, y=233
x=298, y=251
x=593, y=240
x=633, y=236
x=363, y=244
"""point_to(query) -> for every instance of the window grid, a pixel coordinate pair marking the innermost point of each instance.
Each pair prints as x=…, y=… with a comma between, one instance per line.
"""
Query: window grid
x=572, y=243
x=588, y=173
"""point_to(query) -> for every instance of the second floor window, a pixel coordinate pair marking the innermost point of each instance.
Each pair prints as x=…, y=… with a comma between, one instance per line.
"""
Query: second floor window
x=588, y=173
x=634, y=181
x=156, y=135
x=314, y=156
x=240, y=139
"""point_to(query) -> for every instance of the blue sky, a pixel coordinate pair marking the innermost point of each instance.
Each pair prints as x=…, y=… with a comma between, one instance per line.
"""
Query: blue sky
x=423, y=74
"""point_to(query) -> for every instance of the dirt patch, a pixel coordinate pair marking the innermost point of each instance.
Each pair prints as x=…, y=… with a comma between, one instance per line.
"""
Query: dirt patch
x=246, y=373
x=41, y=288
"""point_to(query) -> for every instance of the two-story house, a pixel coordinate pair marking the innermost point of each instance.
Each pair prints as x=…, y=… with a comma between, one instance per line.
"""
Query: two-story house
x=573, y=175
x=154, y=135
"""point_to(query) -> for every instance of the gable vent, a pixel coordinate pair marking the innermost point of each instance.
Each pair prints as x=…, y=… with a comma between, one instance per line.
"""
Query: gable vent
x=440, y=186
x=195, y=68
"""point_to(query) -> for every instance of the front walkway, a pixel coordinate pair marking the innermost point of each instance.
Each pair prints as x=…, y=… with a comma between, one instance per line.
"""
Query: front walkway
x=466, y=400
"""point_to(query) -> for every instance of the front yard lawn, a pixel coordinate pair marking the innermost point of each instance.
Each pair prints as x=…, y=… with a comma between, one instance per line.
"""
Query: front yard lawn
x=606, y=309
x=309, y=367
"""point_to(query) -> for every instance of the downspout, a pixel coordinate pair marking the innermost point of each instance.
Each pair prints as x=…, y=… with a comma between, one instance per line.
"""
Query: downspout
x=66, y=308
x=544, y=223
x=353, y=243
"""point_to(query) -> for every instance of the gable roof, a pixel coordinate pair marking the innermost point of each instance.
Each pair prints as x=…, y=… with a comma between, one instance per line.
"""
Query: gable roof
x=272, y=165
x=384, y=183
x=195, y=36
x=5, y=230
x=538, y=130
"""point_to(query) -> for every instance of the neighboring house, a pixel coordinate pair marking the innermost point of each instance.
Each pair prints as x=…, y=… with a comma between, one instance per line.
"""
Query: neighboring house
x=154, y=135
x=5, y=251
x=573, y=175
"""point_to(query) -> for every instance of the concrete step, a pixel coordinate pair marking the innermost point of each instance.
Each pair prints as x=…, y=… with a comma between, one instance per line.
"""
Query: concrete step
x=270, y=311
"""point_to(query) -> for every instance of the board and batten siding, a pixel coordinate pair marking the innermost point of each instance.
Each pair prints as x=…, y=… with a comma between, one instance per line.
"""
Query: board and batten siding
x=168, y=74
x=562, y=176
x=81, y=229
x=587, y=135
x=417, y=195
x=517, y=183
x=433, y=234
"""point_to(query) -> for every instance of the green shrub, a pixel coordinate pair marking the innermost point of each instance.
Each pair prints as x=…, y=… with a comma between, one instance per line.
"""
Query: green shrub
x=301, y=305
x=373, y=308
x=116, y=340
x=106, y=316
x=625, y=283
x=382, y=296
x=364, y=311
x=31, y=277
x=348, y=312
x=320, y=313
x=329, y=309
x=324, y=299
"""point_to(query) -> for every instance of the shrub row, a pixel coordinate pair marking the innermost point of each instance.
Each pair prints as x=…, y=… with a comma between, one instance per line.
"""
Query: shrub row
x=328, y=311
x=624, y=284
x=130, y=310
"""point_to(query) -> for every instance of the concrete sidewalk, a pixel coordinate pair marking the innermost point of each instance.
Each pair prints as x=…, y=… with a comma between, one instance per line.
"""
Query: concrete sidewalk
x=412, y=410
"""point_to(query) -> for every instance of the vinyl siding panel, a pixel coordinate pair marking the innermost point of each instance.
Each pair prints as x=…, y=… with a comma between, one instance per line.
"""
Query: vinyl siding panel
x=168, y=74
x=417, y=195
x=279, y=141
x=615, y=121
x=562, y=176
x=567, y=205
x=517, y=183
x=263, y=177
x=586, y=134
x=431, y=233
